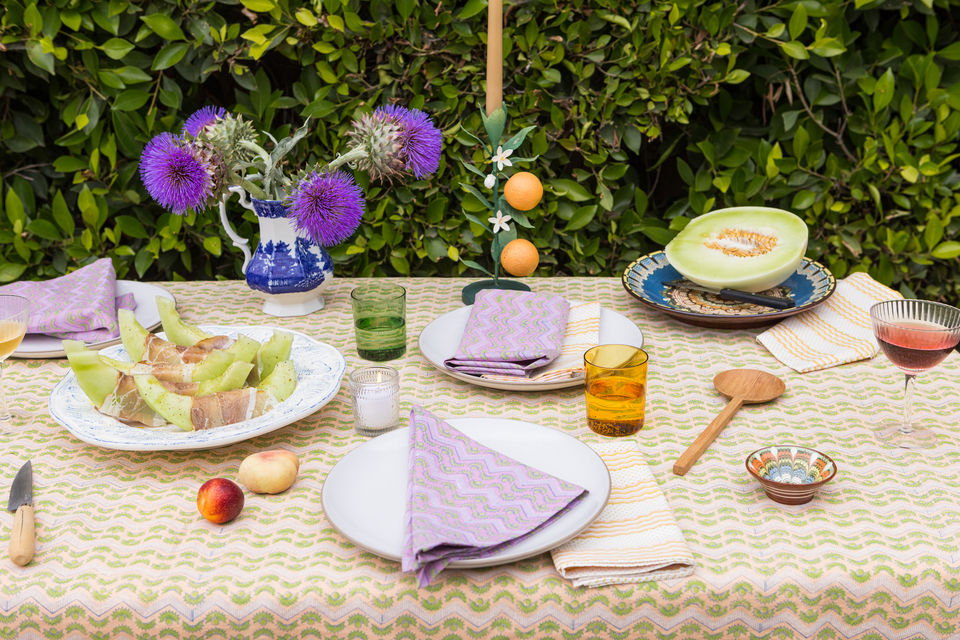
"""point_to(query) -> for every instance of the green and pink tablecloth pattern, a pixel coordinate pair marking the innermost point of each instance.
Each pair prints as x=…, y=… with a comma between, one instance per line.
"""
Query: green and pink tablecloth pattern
x=122, y=550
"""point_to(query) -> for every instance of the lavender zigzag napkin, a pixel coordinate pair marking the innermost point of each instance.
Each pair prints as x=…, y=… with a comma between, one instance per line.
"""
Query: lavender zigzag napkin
x=511, y=333
x=465, y=500
x=78, y=306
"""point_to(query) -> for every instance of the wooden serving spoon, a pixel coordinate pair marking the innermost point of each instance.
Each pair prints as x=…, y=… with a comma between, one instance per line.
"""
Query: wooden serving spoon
x=742, y=386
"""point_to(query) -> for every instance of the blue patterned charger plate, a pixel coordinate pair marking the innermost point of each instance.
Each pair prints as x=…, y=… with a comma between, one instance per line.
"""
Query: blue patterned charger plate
x=644, y=280
x=319, y=370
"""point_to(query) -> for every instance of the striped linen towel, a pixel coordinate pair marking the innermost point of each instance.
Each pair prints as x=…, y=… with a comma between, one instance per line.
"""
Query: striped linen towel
x=835, y=332
x=636, y=538
x=582, y=333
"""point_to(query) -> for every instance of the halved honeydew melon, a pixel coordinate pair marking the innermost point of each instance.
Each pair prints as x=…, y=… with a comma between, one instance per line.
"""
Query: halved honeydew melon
x=744, y=248
x=178, y=331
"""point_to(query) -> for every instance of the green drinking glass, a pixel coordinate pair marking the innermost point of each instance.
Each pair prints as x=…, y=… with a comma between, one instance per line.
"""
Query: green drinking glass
x=380, y=320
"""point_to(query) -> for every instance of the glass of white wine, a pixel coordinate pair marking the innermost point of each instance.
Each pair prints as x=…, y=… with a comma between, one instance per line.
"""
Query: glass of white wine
x=14, y=314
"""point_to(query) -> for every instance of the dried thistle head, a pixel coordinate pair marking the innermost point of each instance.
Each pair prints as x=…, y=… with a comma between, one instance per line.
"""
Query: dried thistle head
x=379, y=136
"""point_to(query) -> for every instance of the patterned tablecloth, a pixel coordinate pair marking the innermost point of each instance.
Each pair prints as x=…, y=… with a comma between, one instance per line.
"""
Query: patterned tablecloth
x=122, y=550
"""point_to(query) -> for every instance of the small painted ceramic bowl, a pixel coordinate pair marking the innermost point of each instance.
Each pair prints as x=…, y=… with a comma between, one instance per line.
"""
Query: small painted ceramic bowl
x=791, y=474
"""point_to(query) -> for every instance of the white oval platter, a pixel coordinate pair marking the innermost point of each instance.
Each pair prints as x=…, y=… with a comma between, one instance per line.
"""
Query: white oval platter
x=319, y=367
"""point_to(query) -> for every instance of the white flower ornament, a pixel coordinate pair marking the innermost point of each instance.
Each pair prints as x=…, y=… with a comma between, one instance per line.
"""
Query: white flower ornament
x=500, y=222
x=500, y=158
x=489, y=181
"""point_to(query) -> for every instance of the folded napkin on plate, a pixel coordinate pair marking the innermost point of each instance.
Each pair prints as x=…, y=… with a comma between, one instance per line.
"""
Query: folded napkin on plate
x=510, y=333
x=582, y=333
x=636, y=538
x=78, y=306
x=466, y=501
x=835, y=332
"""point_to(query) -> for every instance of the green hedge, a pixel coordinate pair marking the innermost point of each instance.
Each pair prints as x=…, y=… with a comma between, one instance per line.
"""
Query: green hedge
x=649, y=114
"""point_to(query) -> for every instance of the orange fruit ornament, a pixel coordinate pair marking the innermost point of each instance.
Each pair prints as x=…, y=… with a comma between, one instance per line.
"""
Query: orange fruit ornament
x=520, y=257
x=523, y=191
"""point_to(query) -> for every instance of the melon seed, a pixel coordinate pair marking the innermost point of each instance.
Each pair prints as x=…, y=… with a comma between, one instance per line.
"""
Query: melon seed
x=741, y=243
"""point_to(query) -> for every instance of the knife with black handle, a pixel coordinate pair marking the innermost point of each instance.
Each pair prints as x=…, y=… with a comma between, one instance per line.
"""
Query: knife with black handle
x=21, y=501
x=738, y=296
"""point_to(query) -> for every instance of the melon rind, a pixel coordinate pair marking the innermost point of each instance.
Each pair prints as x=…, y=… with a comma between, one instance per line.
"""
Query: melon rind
x=715, y=269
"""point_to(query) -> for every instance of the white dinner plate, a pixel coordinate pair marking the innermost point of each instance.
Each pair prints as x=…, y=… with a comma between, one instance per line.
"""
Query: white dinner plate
x=319, y=369
x=37, y=345
x=439, y=341
x=364, y=495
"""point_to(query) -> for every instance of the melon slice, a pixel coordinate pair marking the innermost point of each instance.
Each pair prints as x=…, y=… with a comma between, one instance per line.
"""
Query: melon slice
x=744, y=248
x=204, y=412
x=141, y=345
x=178, y=331
x=276, y=349
x=282, y=381
x=132, y=334
x=213, y=366
x=233, y=378
x=111, y=392
x=96, y=378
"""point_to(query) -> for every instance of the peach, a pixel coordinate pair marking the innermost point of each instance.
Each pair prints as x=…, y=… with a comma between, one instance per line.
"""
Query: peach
x=272, y=471
x=219, y=500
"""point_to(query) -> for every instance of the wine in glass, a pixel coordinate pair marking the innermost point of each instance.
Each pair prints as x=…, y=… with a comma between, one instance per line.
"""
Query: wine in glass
x=14, y=313
x=916, y=335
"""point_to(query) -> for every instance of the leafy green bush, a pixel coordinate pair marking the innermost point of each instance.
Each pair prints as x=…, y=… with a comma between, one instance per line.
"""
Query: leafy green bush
x=649, y=113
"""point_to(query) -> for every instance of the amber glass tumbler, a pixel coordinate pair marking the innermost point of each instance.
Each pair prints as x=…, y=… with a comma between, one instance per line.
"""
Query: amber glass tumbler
x=616, y=388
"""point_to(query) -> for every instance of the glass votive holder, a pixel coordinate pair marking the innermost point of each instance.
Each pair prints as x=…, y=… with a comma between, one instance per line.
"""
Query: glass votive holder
x=616, y=388
x=376, y=399
x=380, y=320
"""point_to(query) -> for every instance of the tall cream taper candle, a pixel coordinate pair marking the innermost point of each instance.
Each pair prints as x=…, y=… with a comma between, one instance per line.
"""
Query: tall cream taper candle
x=494, y=55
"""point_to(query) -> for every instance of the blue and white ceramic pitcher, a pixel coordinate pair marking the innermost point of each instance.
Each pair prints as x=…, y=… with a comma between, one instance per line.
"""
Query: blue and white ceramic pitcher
x=288, y=269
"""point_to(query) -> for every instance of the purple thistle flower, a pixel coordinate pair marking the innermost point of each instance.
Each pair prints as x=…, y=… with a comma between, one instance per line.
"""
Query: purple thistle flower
x=327, y=207
x=200, y=119
x=420, y=141
x=174, y=175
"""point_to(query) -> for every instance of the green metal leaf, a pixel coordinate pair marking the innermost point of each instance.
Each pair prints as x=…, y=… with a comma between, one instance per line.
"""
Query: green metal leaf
x=517, y=140
x=475, y=265
x=494, y=125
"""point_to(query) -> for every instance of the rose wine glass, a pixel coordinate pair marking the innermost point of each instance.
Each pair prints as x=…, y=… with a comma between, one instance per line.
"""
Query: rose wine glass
x=14, y=313
x=916, y=335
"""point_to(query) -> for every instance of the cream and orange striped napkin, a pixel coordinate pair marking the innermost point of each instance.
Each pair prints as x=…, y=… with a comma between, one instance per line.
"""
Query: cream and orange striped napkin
x=582, y=333
x=635, y=538
x=835, y=332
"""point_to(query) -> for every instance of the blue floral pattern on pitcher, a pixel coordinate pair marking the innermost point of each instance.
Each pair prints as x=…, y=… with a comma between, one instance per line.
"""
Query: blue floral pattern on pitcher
x=285, y=261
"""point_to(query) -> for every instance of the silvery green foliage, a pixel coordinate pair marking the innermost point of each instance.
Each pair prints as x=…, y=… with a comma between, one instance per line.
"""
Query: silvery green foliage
x=647, y=114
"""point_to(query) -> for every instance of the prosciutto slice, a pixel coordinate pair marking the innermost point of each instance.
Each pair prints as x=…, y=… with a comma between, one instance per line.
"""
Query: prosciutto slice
x=229, y=407
x=157, y=349
x=164, y=371
x=125, y=403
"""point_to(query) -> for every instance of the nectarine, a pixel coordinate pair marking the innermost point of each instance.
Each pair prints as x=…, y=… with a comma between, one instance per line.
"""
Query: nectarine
x=269, y=471
x=219, y=500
